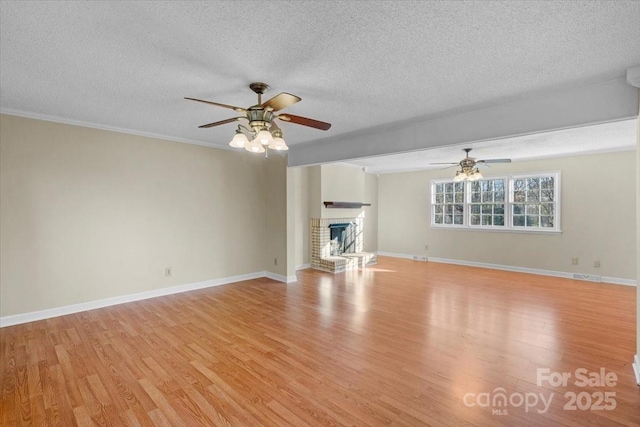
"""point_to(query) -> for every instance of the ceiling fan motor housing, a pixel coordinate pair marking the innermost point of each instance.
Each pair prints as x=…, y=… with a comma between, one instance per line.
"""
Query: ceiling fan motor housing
x=259, y=118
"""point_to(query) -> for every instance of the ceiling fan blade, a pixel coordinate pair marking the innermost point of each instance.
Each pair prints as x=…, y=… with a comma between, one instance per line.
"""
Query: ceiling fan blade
x=494, y=161
x=280, y=101
x=222, y=122
x=231, y=107
x=447, y=163
x=305, y=121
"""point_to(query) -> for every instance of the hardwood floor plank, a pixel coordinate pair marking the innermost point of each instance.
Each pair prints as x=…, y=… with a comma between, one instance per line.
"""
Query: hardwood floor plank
x=162, y=403
x=403, y=343
x=82, y=416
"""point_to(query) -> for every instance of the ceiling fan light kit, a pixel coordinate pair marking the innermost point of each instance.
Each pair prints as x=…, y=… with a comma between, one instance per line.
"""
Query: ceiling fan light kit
x=262, y=133
x=469, y=167
x=473, y=175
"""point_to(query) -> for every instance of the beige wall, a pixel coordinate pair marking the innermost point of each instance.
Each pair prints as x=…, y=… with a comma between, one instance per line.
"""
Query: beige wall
x=371, y=213
x=315, y=192
x=638, y=232
x=275, y=213
x=87, y=214
x=598, y=219
x=301, y=214
x=316, y=184
x=341, y=184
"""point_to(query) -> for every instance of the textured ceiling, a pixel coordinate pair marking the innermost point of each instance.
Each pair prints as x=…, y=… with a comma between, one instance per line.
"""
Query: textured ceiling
x=128, y=65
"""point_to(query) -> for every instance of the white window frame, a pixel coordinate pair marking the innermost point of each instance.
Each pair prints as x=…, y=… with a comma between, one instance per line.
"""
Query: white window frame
x=508, y=208
x=468, y=202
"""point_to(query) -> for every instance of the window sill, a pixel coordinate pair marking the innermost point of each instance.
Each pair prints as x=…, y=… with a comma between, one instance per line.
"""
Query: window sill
x=494, y=230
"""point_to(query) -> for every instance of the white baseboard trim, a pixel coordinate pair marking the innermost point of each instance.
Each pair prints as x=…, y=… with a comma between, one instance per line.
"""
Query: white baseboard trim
x=394, y=255
x=566, y=275
x=504, y=267
x=280, y=278
x=17, y=319
x=302, y=266
x=618, y=281
x=636, y=368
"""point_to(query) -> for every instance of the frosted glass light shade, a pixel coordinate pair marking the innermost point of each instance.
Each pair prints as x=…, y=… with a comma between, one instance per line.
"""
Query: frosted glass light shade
x=460, y=176
x=278, y=144
x=264, y=137
x=255, y=147
x=476, y=175
x=239, y=141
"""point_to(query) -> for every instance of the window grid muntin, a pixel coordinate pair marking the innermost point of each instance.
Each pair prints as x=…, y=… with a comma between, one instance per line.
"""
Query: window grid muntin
x=448, y=203
x=553, y=207
x=487, y=199
x=534, y=201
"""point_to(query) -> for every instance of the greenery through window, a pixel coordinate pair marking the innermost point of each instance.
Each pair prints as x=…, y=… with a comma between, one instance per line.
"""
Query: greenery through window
x=519, y=202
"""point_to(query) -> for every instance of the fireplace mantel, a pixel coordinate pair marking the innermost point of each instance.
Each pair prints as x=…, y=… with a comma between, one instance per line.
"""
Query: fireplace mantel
x=345, y=205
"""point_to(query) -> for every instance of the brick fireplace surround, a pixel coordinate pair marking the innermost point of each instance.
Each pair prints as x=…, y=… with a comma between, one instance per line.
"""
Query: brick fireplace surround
x=321, y=258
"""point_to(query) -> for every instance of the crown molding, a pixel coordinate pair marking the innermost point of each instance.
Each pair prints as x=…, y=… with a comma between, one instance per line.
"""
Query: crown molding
x=67, y=121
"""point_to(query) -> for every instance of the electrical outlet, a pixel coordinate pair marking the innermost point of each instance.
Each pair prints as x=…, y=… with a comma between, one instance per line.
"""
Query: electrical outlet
x=275, y=261
x=596, y=264
x=167, y=271
x=574, y=261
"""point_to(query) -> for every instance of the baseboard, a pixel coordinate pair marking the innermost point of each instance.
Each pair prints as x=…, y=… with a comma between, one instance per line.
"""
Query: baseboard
x=618, y=281
x=302, y=266
x=395, y=255
x=106, y=302
x=636, y=368
x=542, y=272
x=280, y=278
x=517, y=269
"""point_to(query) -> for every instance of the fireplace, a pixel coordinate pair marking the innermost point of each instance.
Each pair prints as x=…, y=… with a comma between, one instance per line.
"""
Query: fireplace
x=337, y=244
x=343, y=238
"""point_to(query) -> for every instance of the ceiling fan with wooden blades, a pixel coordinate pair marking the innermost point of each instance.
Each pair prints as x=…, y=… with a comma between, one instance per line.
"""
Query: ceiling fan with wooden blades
x=262, y=131
x=469, y=166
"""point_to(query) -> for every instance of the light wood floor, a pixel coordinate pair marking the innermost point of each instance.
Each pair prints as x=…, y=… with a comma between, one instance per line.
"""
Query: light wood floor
x=401, y=343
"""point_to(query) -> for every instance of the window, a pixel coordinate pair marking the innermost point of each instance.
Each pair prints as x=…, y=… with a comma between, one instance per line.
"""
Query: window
x=515, y=203
x=534, y=201
x=449, y=203
x=486, y=207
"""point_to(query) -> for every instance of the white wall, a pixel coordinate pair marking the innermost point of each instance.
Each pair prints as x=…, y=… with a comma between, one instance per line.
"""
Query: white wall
x=598, y=219
x=88, y=214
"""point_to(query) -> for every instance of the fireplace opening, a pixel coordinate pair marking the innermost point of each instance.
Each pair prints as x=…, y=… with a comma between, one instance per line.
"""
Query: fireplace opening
x=343, y=238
